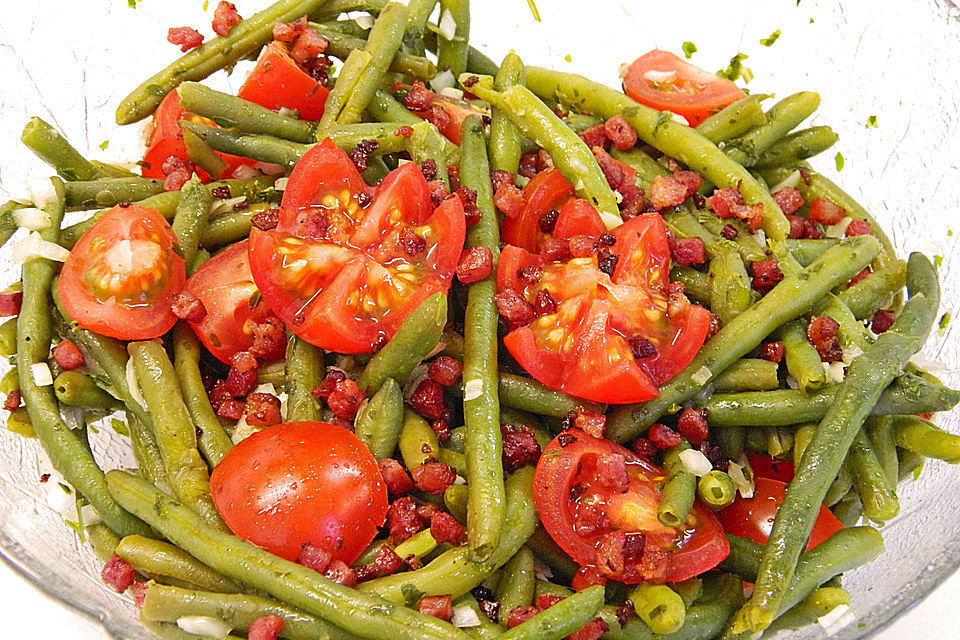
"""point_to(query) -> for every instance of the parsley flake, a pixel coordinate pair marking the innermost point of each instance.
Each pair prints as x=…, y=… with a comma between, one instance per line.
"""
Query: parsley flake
x=103, y=145
x=533, y=10
x=568, y=58
x=735, y=70
x=945, y=321
x=768, y=42
x=872, y=122
x=839, y=160
x=689, y=49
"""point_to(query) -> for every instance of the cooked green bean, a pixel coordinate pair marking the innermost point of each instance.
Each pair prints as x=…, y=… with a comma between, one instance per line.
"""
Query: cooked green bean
x=659, y=606
x=168, y=631
x=561, y=619
x=94, y=194
x=305, y=371
x=51, y=147
x=9, y=226
x=418, y=442
x=233, y=112
x=748, y=374
x=801, y=357
x=780, y=119
x=419, y=13
x=733, y=120
x=341, y=45
x=102, y=540
x=517, y=584
x=452, y=51
x=806, y=251
x=201, y=155
x=697, y=285
x=923, y=437
x=797, y=146
x=879, y=501
x=379, y=422
x=191, y=217
x=801, y=438
x=419, y=544
x=680, y=489
x=526, y=394
x=731, y=294
x=716, y=490
x=10, y=382
x=455, y=499
x=8, y=337
x=818, y=604
x=427, y=143
x=165, y=560
x=549, y=553
x=477, y=61
x=504, y=136
x=876, y=291
x=80, y=390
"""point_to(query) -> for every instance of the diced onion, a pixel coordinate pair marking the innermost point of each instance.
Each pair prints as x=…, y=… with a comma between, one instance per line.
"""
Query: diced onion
x=464, y=616
x=460, y=480
x=838, y=230
x=443, y=80
x=288, y=112
x=452, y=92
x=836, y=619
x=281, y=184
x=34, y=246
x=227, y=205
x=418, y=375
x=266, y=387
x=850, y=352
x=761, y=237
x=540, y=570
x=448, y=26
x=59, y=499
x=41, y=374
x=204, y=626
x=702, y=375
x=242, y=430
x=834, y=371
x=364, y=21
x=740, y=480
x=90, y=515
x=472, y=389
x=659, y=77
x=42, y=192
x=792, y=382
x=623, y=69
x=31, y=218
x=695, y=462
x=791, y=181
x=133, y=385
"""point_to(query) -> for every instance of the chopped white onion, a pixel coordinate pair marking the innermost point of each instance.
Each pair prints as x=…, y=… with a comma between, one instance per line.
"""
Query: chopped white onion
x=242, y=430
x=791, y=181
x=244, y=172
x=452, y=92
x=540, y=570
x=269, y=168
x=204, y=626
x=403, y=161
x=227, y=205
x=695, y=462
x=288, y=112
x=838, y=230
x=836, y=619
x=90, y=515
x=59, y=499
x=281, y=184
x=448, y=26
x=42, y=192
x=740, y=480
x=659, y=77
x=464, y=616
x=460, y=480
x=834, y=371
x=702, y=375
x=34, y=246
x=364, y=21
x=472, y=389
x=20, y=193
x=761, y=237
x=443, y=80
x=622, y=69
x=133, y=385
x=266, y=387
x=41, y=374
x=31, y=218
x=850, y=352
x=792, y=382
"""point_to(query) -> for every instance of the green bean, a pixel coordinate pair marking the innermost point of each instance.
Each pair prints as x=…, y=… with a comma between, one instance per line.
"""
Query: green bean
x=453, y=53
x=716, y=490
x=731, y=440
x=176, y=434
x=427, y=143
x=200, y=257
x=212, y=440
x=108, y=192
x=798, y=146
x=351, y=610
x=419, y=544
x=816, y=605
x=333, y=8
x=213, y=55
x=379, y=422
x=659, y=606
x=420, y=11
x=341, y=45
x=504, y=136
x=18, y=422
x=660, y=131
x=801, y=438
x=477, y=61
x=800, y=356
x=733, y=120
x=779, y=441
x=454, y=571
x=68, y=449
x=748, y=374
x=236, y=113
x=646, y=167
x=8, y=338
x=191, y=216
x=51, y=147
x=869, y=374
x=923, y=437
x=363, y=69
x=255, y=146
x=163, y=603
x=384, y=107
x=549, y=553
x=697, y=284
x=730, y=294
x=879, y=501
x=201, y=155
x=417, y=336
x=167, y=561
x=526, y=394
x=9, y=226
x=561, y=619
x=228, y=228
x=876, y=291
x=517, y=583
x=690, y=590
x=791, y=297
x=80, y=390
x=746, y=242
x=680, y=489
x=806, y=251
x=102, y=540
x=840, y=486
x=10, y=382
x=570, y=154
x=418, y=442
x=305, y=370
x=168, y=631
x=780, y=119
x=455, y=499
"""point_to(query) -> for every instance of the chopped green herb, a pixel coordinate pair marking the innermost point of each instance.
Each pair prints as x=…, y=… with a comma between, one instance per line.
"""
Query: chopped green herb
x=411, y=594
x=768, y=42
x=568, y=58
x=747, y=74
x=811, y=20
x=119, y=426
x=689, y=49
x=938, y=260
x=945, y=321
x=132, y=4
x=735, y=70
x=839, y=160
x=872, y=122
x=949, y=233
x=103, y=145
x=206, y=4
x=662, y=119
x=533, y=10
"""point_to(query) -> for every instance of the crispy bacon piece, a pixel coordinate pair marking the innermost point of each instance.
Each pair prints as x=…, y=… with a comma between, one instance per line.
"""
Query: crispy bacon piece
x=788, y=199
x=10, y=302
x=633, y=203
x=544, y=304
x=403, y=520
x=587, y=576
x=189, y=307
x=643, y=447
x=177, y=172
x=266, y=219
x=555, y=249
x=727, y=202
x=663, y=436
x=589, y=519
x=434, y=477
x=509, y=199
x=590, y=422
x=612, y=170
x=858, y=227
x=595, y=136
x=386, y=562
x=427, y=399
x=445, y=528
x=186, y=38
x=860, y=276
x=413, y=244
x=269, y=339
x=500, y=177
x=772, y=351
x=242, y=378
x=766, y=274
x=231, y=409
x=329, y=383
x=476, y=263
x=139, y=590
x=12, y=401
x=361, y=153
x=262, y=410
x=420, y=98
x=620, y=132
x=882, y=321
x=593, y=630
x=468, y=197
x=688, y=250
x=308, y=44
x=624, y=612
x=345, y=400
x=265, y=628
x=118, y=574
x=520, y=447
x=341, y=573
x=395, y=476
x=514, y=308
x=826, y=212
x=67, y=355
x=692, y=425
x=289, y=31
x=436, y=606
x=225, y=18
x=445, y=371
x=519, y=615
x=822, y=333
x=667, y=191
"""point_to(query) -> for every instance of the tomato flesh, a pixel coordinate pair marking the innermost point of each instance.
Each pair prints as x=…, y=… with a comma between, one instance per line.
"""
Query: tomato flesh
x=301, y=483
x=344, y=267
x=278, y=81
x=661, y=80
x=121, y=276
x=566, y=479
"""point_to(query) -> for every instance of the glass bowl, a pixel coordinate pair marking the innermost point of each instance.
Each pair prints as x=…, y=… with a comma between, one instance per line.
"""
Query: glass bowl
x=71, y=62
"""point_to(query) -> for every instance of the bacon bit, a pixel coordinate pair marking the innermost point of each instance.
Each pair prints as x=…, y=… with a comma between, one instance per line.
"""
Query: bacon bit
x=429, y=169
x=240, y=383
x=266, y=219
x=766, y=274
x=386, y=562
x=587, y=576
x=663, y=437
x=218, y=394
x=310, y=44
x=476, y=264
x=546, y=600
x=490, y=608
x=225, y=18
x=397, y=479
x=772, y=351
x=519, y=615
x=186, y=38
x=611, y=558
x=427, y=399
x=581, y=246
x=610, y=472
x=555, y=249
x=544, y=304
x=403, y=520
x=445, y=528
x=596, y=136
x=438, y=192
x=590, y=422
x=803, y=228
x=434, y=477
x=118, y=574
x=420, y=98
x=727, y=202
x=189, y=307
x=620, y=133
x=437, y=606
x=329, y=383
x=860, y=276
x=677, y=302
x=689, y=179
x=361, y=153
x=500, y=177
x=139, y=591
x=345, y=400
x=404, y=131
x=826, y=212
x=10, y=302
x=607, y=262
x=445, y=371
x=177, y=172
x=441, y=426
x=453, y=172
x=643, y=447
x=589, y=519
x=729, y=232
x=289, y=31
x=593, y=630
x=613, y=171
x=530, y=275
x=624, y=612
x=514, y=308
x=427, y=510
x=667, y=191
x=262, y=410
x=822, y=333
x=641, y=348
x=231, y=409
x=269, y=339
x=882, y=321
x=528, y=165
x=509, y=199
x=633, y=203
x=468, y=197
x=858, y=227
x=688, y=250
x=520, y=447
x=67, y=355
x=265, y=628
x=714, y=327
x=413, y=244
x=788, y=199
x=692, y=425
x=341, y=573
x=12, y=401
x=712, y=453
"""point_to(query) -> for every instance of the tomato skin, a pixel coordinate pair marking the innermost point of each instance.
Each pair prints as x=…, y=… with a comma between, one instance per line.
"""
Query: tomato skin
x=700, y=549
x=545, y=191
x=692, y=92
x=301, y=483
x=766, y=467
x=121, y=236
x=225, y=286
x=278, y=81
x=752, y=518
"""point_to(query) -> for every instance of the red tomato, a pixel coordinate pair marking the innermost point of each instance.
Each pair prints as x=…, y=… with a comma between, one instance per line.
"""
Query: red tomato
x=121, y=276
x=278, y=81
x=767, y=467
x=752, y=518
x=225, y=286
x=301, y=483
x=448, y=114
x=583, y=349
x=166, y=139
x=697, y=546
x=664, y=82
x=342, y=276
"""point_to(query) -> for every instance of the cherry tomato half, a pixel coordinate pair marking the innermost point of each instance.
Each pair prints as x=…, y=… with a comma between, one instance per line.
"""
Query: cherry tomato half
x=301, y=483
x=122, y=275
x=278, y=81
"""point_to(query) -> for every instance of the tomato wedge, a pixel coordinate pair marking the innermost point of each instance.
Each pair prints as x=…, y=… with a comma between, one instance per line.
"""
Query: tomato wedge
x=584, y=508
x=663, y=81
x=345, y=266
x=766, y=467
x=122, y=275
x=278, y=81
x=586, y=347
x=752, y=518
x=234, y=306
